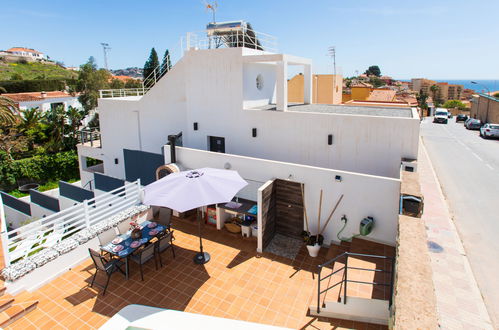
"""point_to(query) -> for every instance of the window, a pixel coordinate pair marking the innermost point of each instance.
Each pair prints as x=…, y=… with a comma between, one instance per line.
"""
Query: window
x=259, y=82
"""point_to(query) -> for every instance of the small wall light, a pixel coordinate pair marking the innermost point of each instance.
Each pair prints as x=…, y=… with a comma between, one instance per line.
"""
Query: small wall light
x=253, y=132
x=196, y=126
x=337, y=178
x=116, y=160
x=330, y=139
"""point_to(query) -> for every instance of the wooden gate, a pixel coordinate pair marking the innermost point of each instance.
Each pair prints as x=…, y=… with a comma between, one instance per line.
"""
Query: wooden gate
x=289, y=208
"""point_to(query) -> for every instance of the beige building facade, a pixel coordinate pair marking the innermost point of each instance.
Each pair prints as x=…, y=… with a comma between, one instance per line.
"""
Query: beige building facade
x=326, y=89
x=485, y=108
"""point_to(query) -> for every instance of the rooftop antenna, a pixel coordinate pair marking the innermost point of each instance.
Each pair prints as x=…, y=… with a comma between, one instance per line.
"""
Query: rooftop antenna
x=213, y=7
x=331, y=51
x=105, y=48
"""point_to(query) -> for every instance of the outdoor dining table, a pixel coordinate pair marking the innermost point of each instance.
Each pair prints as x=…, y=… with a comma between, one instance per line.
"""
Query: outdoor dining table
x=125, y=248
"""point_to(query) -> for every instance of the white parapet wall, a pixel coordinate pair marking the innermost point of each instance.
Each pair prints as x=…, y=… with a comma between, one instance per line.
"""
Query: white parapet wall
x=364, y=195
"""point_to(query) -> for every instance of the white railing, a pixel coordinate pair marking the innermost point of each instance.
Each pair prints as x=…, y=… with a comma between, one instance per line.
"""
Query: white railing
x=69, y=221
x=247, y=38
x=123, y=92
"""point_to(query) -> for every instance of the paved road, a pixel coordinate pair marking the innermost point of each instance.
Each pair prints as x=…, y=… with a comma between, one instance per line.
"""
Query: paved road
x=468, y=169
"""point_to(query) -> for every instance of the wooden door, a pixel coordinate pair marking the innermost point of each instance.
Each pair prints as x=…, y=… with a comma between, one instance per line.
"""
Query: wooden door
x=268, y=215
x=289, y=208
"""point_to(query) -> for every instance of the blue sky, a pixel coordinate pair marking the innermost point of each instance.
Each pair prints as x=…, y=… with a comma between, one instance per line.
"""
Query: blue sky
x=434, y=39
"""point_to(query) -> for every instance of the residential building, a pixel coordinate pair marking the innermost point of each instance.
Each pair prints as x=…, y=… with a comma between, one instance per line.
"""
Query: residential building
x=28, y=54
x=485, y=108
x=228, y=108
x=326, y=89
x=44, y=100
x=448, y=91
x=418, y=84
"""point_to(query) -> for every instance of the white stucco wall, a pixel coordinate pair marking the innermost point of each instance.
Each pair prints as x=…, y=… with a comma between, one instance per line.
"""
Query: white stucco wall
x=208, y=87
x=14, y=217
x=364, y=195
x=44, y=104
x=39, y=212
x=252, y=96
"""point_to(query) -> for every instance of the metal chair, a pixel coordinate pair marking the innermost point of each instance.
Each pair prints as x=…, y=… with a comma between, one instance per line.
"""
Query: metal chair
x=165, y=217
x=108, y=267
x=144, y=255
x=164, y=243
x=106, y=236
x=123, y=227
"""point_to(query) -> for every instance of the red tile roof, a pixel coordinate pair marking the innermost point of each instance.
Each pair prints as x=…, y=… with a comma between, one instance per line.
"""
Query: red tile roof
x=382, y=95
x=22, y=49
x=122, y=78
x=36, y=96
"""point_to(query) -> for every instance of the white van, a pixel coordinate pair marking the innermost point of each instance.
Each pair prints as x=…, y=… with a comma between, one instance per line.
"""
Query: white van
x=441, y=116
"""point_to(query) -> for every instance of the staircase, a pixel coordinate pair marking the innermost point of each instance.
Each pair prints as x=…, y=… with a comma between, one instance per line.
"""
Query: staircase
x=355, y=283
x=14, y=308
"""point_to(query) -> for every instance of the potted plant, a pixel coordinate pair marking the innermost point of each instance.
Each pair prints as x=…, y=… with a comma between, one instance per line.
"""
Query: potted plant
x=136, y=230
x=314, y=243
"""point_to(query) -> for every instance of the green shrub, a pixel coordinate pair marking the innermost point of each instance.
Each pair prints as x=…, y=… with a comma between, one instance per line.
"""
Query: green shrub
x=40, y=169
x=36, y=85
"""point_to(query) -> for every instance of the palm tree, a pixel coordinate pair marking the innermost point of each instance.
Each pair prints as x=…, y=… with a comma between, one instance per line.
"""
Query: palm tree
x=30, y=119
x=434, y=90
x=8, y=111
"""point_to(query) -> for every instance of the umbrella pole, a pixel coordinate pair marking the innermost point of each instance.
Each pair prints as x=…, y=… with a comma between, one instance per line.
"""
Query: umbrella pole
x=201, y=257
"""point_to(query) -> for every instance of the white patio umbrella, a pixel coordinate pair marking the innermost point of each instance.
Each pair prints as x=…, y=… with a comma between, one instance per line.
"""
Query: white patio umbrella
x=188, y=190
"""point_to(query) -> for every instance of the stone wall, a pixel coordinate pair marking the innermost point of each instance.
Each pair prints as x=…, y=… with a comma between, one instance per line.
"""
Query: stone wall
x=414, y=305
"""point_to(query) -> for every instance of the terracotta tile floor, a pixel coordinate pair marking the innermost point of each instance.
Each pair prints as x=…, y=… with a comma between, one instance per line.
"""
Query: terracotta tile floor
x=235, y=284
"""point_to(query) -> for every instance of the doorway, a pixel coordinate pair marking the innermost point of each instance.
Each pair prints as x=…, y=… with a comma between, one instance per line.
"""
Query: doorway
x=216, y=144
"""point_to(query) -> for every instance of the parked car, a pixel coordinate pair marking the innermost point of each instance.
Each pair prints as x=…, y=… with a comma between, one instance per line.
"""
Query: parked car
x=473, y=124
x=441, y=116
x=489, y=130
x=461, y=117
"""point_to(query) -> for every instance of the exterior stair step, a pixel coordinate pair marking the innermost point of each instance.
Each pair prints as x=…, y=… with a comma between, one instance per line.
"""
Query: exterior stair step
x=5, y=302
x=20, y=305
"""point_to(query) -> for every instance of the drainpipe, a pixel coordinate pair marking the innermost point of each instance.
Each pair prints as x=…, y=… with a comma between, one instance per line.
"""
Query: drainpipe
x=172, y=139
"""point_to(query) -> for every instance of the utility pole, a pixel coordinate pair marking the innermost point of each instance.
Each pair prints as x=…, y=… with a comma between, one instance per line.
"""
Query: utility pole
x=213, y=7
x=105, y=48
x=331, y=51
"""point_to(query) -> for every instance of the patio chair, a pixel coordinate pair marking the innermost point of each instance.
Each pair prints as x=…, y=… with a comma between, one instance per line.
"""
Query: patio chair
x=103, y=265
x=123, y=227
x=165, y=217
x=164, y=243
x=144, y=255
x=106, y=236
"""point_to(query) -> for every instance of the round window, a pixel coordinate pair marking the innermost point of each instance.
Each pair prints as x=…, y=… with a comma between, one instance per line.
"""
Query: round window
x=259, y=82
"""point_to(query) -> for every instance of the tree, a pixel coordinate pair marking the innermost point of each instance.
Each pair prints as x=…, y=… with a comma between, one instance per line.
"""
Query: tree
x=151, y=64
x=376, y=82
x=133, y=83
x=373, y=70
x=116, y=84
x=454, y=104
x=90, y=81
x=422, y=97
x=31, y=126
x=12, y=141
x=167, y=63
x=8, y=111
x=55, y=119
x=496, y=95
x=435, y=95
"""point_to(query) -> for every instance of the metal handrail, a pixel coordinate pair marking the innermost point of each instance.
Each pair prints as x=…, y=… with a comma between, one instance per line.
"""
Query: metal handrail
x=345, y=279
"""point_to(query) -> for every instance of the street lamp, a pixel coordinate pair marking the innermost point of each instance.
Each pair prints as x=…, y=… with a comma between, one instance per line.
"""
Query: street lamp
x=488, y=100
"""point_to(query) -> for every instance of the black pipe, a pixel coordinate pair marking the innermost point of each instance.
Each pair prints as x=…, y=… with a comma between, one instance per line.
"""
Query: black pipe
x=172, y=139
